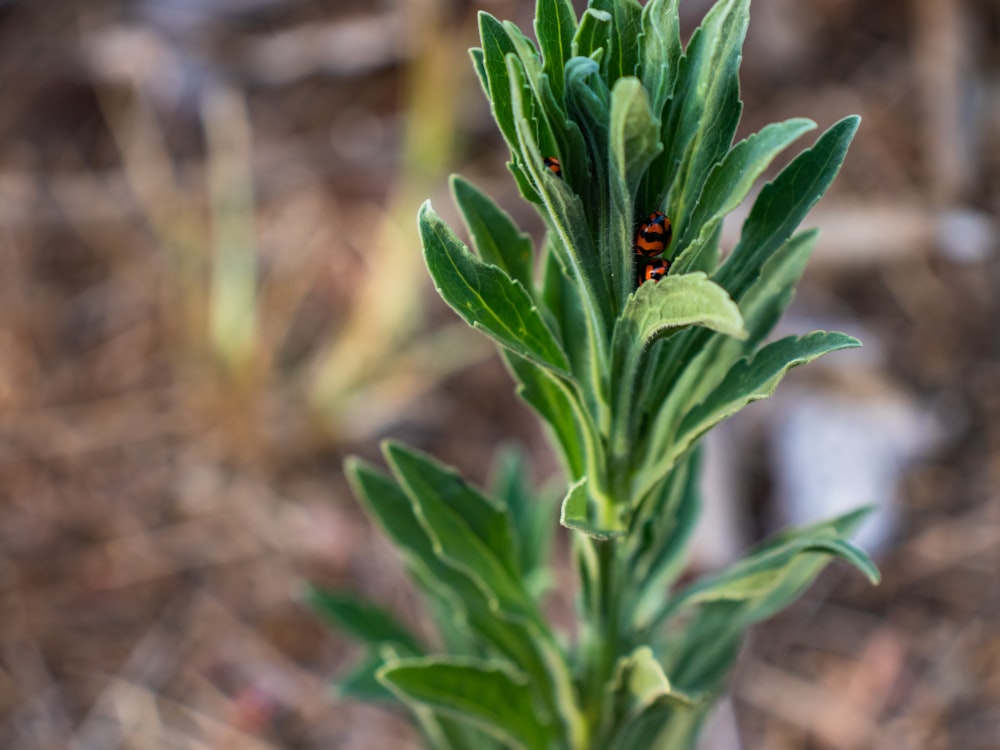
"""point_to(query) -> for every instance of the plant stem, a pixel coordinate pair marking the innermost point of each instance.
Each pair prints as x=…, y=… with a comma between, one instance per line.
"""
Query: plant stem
x=604, y=612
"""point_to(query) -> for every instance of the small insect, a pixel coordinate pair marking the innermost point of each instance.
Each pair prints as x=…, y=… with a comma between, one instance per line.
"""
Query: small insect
x=653, y=235
x=553, y=165
x=652, y=270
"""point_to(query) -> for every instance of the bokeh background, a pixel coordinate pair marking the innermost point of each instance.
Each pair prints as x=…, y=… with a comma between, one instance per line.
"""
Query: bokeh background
x=211, y=292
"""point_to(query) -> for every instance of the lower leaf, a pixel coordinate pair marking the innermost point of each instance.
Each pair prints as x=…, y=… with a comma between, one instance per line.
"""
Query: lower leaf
x=491, y=695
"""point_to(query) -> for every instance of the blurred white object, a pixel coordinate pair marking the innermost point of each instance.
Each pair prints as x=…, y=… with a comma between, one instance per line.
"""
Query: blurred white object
x=721, y=731
x=722, y=533
x=965, y=236
x=835, y=452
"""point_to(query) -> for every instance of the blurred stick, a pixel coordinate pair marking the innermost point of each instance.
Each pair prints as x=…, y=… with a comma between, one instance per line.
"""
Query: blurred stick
x=232, y=305
x=386, y=308
x=171, y=214
x=940, y=58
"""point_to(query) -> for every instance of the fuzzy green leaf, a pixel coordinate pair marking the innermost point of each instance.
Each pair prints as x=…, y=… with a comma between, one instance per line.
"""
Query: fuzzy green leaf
x=702, y=652
x=392, y=509
x=767, y=299
x=361, y=684
x=532, y=514
x=756, y=378
x=479, y=65
x=640, y=679
x=464, y=605
x=538, y=106
x=756, y=577
x=593, y=517
x=761, y=307
x=555, y=27
x=568, y=224
x=468, y=531
x=543, y=392
x=639, y=699
x=422, y=476
x=661, y=50
x=658, y=309
x=783, y=204
x=496, y=46
x=593, y=33
x=488, y=694
x=634, y=134
x=730, y=182
x=486, y=297
x=495, y=236
x=634, y=143
x=623, y=57
x=698, y=127
x=660, y=547
x=768, y=569
x=361, y=619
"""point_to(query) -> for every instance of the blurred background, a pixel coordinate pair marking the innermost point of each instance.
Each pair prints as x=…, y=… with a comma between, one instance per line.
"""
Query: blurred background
x=211, y=291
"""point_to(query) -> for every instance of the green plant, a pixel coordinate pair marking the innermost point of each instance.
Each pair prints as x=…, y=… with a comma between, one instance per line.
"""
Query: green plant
x=627, y=380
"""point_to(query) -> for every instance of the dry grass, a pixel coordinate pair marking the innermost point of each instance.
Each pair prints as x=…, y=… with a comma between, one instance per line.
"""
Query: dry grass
x=184, y=360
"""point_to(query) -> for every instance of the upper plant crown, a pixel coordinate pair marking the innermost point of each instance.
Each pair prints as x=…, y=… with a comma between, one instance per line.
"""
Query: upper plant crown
x=609, y=120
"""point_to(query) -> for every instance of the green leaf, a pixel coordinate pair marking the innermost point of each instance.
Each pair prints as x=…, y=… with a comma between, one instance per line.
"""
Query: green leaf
x=661, y=50
x=594, y=33
x=494, y=234
x=488, y=694
x=567, y=222
x=634, y=143
x=479, y=64
x=783, y=204
x=496, y=46
x=392, y=509
x=712, y=358
x=560, y=295
x=595, y=518
x=588, y=104
x=710, y=92
x=773, y=576
x=360, y=683
x=531, y=512
x=639, y=678
x=543, y=392
x=467, y=531
x=747, y=381
x=700, y=120
x=756, y=577
x=634, y=133
x=421, y=476
x=623, y=57
x=756, y=378
x=767, y=299
x=524, y=185
x=759, y=575
x=657, y=308
x=655, y=311
x=665, y=523
x=535, y=91
x=486, y=297
x=777, y=211
x=555, y=27
x=440, y=731
x=465, y=605
x=730, y=182
x=363, y=620
x=640, y=699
